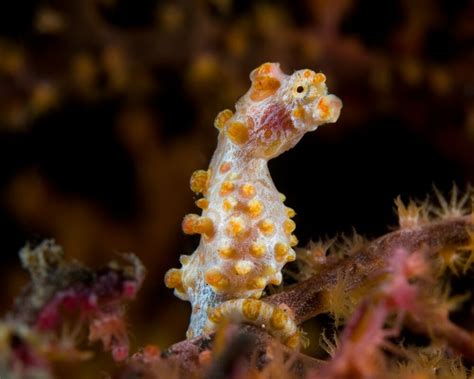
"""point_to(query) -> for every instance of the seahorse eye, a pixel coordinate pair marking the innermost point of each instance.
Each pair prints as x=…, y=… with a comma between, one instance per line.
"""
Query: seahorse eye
x=300, y=90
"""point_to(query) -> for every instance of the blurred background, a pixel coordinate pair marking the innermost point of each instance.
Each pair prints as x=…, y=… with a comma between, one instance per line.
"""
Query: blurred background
x=107, y=106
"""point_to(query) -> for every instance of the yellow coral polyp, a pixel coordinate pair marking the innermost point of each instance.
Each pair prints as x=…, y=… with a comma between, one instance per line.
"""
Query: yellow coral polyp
x=412, y=215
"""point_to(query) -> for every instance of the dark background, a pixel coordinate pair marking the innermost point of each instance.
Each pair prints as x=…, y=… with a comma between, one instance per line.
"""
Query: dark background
x=106, y=108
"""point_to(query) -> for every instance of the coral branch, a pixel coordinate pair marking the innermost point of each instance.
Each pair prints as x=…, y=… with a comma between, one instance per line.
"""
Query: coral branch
x=456, y=337
x=305, y=298
x=186, y=353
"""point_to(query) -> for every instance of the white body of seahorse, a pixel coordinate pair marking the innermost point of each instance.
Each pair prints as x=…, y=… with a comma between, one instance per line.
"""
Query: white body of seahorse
x=246, y=230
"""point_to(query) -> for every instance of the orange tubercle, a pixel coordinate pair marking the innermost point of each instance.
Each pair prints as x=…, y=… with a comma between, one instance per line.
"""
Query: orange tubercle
x=264, y=68
x=215, y=278
x=299, y=113
x=226, y=188
x=228, y=204
x=227, y=252
x=225, y=167
x=278, y=319
x=195, y=224
x=202, y=203
x=257, y=250
x=235, y=227
x=289, y=226
x=254, y=208
x=324, y=109
x=290, y=212
x=293, y=240
x=247, y=190
x=281, y=251
x=243, y=267
x=319, y=78
x=200, y=181
x=264, y=86
x=266, y=226
x=257, y=283
x=222, y=117
x=251, y=309
x=238, y=132
x=173, y=278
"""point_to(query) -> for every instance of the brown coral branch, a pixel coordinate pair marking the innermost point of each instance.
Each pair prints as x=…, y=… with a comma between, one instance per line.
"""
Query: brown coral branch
x=186, y=353
x=305, y=298
x=457, y=338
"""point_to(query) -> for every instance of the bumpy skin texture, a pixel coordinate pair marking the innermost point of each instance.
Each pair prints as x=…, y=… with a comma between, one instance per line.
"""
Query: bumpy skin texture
x=246, y=230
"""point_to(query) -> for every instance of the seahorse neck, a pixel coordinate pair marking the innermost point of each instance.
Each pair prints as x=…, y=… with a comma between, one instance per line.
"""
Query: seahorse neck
x=251, y=168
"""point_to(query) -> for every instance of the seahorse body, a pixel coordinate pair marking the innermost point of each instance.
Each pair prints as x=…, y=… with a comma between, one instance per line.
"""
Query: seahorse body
x=246, y=230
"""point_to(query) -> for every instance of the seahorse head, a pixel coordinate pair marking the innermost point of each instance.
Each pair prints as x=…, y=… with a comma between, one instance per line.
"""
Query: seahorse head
x=278, y=110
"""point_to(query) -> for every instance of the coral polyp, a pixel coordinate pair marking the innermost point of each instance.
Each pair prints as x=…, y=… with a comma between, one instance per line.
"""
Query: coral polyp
x=246, y=229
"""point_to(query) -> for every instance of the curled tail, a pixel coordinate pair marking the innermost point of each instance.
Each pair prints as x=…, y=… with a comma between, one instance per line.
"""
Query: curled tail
x=278, y=321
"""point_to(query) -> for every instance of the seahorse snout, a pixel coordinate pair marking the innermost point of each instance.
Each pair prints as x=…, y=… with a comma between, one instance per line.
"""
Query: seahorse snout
x=327, y=109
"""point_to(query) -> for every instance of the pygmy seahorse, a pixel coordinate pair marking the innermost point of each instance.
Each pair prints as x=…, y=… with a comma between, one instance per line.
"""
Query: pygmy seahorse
x=246, y=230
